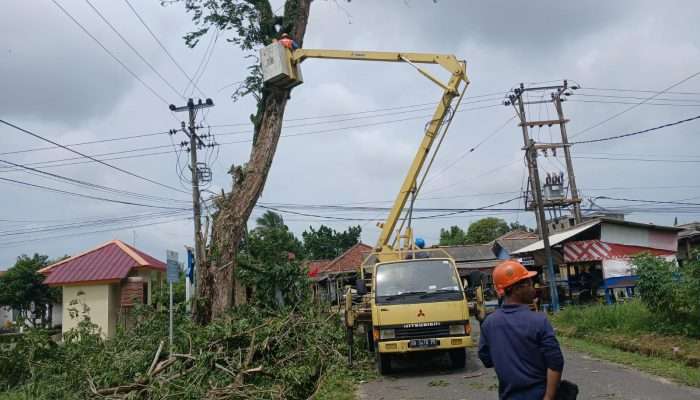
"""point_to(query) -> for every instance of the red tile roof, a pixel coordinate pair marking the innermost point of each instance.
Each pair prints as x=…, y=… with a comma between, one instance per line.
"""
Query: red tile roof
x=348, y=261
x=111, y=261
x=315, y=266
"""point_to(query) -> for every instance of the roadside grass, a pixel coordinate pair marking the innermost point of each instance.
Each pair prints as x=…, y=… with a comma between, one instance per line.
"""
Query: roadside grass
x=630, y=327
x=673, y=370
x=341, y=383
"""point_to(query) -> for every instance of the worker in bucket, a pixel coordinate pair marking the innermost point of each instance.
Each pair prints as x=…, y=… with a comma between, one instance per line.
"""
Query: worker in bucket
x=519, y=343
x=288, y=42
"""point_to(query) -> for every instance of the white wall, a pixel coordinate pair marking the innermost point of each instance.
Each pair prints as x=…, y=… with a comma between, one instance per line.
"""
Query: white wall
x=638, y=236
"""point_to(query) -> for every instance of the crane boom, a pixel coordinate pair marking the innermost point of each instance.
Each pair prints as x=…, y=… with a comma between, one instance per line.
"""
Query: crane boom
x=288, y=75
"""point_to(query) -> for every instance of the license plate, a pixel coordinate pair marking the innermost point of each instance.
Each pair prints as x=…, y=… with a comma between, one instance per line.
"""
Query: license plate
x=423, y=343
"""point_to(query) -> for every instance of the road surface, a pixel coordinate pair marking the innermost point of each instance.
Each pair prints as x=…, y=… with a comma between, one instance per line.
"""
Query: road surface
x=430, y=378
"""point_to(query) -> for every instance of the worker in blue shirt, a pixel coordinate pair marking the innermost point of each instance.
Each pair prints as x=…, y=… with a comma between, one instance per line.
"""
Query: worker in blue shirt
x=519, y=343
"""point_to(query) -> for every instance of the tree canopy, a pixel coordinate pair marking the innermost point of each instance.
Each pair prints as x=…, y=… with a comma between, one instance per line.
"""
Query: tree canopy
x=22, y=287
x=482, y=231
x=326, y=243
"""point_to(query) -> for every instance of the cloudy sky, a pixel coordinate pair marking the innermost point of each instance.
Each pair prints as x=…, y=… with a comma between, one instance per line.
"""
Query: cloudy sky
x=353, y=127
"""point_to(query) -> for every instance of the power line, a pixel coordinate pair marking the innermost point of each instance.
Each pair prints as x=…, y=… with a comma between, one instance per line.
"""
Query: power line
x=93, y=223
x=636, y=104
x=638, y=132
x=648, y=201
x=638, y=159
x=132, y=73
x=452, y=212
x=630, y=102
x=634, y=97
x=89, y=157
x=472, y=149
x=636, y=91
x=87, y=196
x=150, y=134
x=317, y=132
x=90, y=185
x=21, y=242
x=153, y=35
x=208, y=50
x=123, y=39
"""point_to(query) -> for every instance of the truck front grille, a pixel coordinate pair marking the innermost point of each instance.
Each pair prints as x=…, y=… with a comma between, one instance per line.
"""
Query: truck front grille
x=422, y=332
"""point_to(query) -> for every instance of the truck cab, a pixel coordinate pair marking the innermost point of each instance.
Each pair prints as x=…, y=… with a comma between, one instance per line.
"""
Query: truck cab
x=419, y=305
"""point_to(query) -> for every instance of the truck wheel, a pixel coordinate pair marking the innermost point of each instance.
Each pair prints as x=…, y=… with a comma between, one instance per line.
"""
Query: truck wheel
x=383, y=363
x=458, y=358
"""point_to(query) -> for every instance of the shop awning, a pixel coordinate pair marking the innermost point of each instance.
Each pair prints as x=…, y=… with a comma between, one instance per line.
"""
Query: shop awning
x=557, y=238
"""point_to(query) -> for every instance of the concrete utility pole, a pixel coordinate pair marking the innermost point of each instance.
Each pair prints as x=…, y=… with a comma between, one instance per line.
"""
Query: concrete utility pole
x=556, y=97
x=531, y=150
x=554, y=205
x=195, y=143
x=555, y=200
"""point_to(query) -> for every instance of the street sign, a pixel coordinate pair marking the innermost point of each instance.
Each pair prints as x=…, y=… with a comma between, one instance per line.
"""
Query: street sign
x=173, y=276
x=527, y=261
x=173, y=266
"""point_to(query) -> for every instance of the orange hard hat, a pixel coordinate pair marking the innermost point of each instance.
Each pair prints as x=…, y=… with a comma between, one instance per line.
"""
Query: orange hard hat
x=508, y=273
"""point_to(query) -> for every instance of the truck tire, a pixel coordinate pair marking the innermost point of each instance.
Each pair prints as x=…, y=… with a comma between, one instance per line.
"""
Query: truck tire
x=383, y=363
x=458, y=358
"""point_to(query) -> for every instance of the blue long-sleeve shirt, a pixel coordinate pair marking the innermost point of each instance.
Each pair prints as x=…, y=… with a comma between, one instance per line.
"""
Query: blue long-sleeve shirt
x=521, y=345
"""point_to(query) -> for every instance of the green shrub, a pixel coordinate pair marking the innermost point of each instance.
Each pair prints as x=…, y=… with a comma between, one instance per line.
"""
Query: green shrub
x=670, y=292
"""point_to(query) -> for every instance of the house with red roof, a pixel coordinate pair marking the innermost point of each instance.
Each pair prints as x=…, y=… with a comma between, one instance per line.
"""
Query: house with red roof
x=330, y=276
x=103, y=283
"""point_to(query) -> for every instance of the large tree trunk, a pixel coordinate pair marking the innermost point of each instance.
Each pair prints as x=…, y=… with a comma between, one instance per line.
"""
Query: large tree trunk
x=215, y=282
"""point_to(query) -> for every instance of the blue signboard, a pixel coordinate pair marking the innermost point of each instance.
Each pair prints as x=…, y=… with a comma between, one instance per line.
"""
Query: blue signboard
x=173, y=266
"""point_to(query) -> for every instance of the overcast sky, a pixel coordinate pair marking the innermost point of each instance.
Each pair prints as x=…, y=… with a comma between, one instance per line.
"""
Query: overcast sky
x=59, y=83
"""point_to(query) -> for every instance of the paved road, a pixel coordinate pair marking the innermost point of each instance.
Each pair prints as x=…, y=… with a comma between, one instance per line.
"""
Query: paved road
x=430, y=378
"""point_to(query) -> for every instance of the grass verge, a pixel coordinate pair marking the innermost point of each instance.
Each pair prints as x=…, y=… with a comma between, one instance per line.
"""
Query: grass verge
x=341, y=383
x=674, y=370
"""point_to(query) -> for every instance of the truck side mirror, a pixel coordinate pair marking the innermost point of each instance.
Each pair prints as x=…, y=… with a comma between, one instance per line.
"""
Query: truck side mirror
x=360, y=286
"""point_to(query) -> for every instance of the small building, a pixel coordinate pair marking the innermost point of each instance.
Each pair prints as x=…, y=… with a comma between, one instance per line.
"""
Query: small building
x=485, y=257
x=689, y=242
x=104, y=283
x=594, y=257
x=331, y=276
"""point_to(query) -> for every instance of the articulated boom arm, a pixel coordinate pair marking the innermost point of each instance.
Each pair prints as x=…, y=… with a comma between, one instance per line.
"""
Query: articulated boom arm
x=451, y=90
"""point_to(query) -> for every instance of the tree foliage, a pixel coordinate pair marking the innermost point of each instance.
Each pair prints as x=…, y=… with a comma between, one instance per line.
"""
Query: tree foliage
x=486, y=230
x=482, y=231
x=326, y=243
x=669, y=290
x=22, y=288
x=453, y=237
x=270, y=262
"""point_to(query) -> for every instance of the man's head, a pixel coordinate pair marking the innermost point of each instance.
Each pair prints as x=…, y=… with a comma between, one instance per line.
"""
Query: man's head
x=284, y=36
x=514, y=281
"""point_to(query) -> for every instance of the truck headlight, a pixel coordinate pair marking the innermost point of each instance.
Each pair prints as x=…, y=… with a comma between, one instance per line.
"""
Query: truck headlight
x=387, y=334
x=457, y=330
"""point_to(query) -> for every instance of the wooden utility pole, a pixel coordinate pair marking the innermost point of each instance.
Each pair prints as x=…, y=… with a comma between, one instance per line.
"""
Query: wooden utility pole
x=531, y=151
x=195, y=143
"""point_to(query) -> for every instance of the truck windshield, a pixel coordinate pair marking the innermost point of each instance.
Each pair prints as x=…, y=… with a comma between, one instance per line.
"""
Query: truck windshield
x=417, y=281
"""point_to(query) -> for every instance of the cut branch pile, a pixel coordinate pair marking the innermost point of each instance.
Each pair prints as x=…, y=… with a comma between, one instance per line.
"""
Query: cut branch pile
x=249, y=354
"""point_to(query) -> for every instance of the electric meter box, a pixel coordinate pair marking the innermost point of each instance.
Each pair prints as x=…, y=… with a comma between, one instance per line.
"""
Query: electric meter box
x=277, y=68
